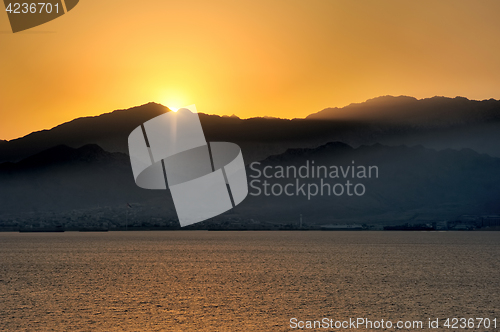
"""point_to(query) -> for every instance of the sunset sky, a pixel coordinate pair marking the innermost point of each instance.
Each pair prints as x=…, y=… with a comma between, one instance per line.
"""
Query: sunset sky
x=250, y=58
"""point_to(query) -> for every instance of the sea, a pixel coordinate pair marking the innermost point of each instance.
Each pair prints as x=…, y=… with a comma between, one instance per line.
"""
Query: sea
x=249, y=281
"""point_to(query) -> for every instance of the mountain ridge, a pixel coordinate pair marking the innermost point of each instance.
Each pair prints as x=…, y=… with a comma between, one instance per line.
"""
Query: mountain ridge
x=436, y=110
x=263, y=137
x=81, y=131
x=413, y=183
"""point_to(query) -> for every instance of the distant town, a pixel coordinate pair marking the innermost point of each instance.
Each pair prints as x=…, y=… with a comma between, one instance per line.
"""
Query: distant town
x=133, y=219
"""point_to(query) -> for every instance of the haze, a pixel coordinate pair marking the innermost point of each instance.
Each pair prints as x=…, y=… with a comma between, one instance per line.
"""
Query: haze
x=249, y=58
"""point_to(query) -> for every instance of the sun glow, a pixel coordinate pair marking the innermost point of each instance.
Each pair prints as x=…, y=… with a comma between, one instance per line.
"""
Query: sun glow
x=173, y=99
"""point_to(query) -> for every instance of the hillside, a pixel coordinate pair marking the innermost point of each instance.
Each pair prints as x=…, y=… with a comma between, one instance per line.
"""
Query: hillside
x=438, y=123
x=413, y=184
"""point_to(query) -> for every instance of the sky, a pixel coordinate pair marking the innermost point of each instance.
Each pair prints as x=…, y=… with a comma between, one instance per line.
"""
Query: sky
x=282, y=58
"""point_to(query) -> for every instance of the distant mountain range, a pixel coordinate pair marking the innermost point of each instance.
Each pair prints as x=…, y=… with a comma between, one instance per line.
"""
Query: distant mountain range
x=413, y=184
x=435, y=122
x=109, y=131
x=63, y=178
x=438, y=158
x=438, y=112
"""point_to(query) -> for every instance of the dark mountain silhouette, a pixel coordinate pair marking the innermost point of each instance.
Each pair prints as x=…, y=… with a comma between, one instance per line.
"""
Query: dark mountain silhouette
x=437, y=122
x=430, y=112
x=63, y=178
x=63, y=155
x=107, y=130
x=413, y=184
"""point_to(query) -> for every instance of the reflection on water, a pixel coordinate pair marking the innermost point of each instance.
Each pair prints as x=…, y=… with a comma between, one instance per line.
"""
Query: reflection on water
x=242, y=281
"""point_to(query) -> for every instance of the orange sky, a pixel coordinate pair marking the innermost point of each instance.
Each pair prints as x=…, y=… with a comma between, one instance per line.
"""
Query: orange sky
x=286, y=58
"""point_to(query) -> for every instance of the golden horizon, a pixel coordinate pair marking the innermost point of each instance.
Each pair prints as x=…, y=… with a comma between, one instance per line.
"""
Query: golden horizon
x=250, y=58
x=174, y=109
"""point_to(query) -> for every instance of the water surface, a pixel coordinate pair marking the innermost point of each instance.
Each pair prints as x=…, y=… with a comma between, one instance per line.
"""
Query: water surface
x=242, y=281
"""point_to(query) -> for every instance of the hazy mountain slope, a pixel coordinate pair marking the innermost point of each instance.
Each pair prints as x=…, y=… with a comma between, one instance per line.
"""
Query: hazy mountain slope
x=413, y=184
x=429, y=112
x=63, y=178
x=110, y=131
x=435, y=122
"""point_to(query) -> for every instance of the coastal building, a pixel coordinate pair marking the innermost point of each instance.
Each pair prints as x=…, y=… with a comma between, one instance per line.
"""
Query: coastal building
x=353, y=227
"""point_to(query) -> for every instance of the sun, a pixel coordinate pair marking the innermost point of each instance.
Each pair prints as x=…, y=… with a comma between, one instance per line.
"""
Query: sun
x=173, y=106
x=172, y=99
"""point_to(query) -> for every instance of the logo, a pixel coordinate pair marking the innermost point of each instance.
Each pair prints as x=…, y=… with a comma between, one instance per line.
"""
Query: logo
x=25, y=15
x=205, y=179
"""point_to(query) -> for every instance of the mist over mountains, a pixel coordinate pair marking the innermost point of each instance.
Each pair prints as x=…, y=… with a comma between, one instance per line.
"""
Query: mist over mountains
x=64, y=178
x=63, y=183
x=438, y=158
x=413, y=184
x=437, y=122
x=430, y=112
x=110, y=131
